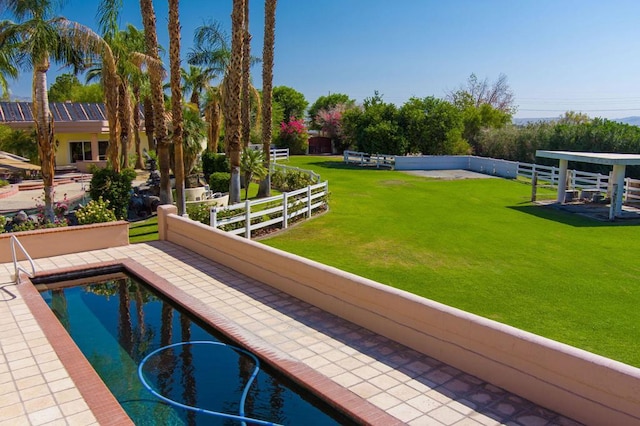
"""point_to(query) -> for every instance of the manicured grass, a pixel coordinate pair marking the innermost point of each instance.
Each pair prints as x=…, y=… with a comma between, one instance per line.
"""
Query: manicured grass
x=481, y=246
x=144, y=230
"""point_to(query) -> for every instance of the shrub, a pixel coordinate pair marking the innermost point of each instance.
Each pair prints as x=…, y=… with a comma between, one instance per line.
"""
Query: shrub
x=114, y=187
x=3, y=183
x=290, y=180
x=219, y=181
x=199, y=212
x=95, y=212
x=293, y=135
x=212, y=163
x=3, y=223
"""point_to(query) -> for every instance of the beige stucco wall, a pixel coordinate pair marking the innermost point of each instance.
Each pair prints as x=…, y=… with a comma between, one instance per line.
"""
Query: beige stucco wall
x=576, y=383
x=71, y=239
x=63, y=155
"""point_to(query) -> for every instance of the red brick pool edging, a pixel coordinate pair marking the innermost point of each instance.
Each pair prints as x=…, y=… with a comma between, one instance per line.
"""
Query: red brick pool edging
x=98, y=397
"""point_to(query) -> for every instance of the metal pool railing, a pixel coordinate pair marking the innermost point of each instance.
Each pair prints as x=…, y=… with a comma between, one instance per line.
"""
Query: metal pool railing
x=16, y=266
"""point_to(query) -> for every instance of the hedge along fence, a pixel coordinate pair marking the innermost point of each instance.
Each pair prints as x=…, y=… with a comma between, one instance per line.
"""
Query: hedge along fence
x=279, y=211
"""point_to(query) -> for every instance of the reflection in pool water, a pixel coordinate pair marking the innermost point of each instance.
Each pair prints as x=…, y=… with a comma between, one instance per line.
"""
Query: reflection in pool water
x=116, y=321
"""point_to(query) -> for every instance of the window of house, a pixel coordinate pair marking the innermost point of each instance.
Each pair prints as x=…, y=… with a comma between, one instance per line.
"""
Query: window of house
x=80, y=151
x=102, y=150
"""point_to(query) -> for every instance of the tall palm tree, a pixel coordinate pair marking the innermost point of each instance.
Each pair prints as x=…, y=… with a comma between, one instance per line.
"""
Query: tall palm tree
x=38, y=38
x=267, y=89
x=157, y=96
x=211, y=52
x=232, y=92
x=246, y=65
x=176, y=101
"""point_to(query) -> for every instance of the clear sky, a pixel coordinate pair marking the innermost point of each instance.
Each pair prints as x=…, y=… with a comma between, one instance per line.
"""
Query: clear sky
x=559, y=55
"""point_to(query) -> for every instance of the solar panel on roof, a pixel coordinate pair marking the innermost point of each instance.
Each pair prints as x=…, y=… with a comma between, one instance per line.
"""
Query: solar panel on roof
x=12, y=112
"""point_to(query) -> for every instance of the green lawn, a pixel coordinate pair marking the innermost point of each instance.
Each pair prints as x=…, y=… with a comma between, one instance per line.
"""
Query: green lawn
x=481, y=246
x=144, y=230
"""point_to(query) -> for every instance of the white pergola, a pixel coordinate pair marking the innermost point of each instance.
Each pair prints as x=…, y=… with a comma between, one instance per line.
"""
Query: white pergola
x=618, y=161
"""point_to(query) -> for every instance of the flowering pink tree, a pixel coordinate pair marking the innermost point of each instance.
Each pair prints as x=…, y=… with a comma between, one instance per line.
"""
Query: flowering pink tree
x=293, y=135
x=330, y=122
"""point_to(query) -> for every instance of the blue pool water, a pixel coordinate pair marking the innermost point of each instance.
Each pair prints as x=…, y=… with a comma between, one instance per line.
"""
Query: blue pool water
x=117, y=321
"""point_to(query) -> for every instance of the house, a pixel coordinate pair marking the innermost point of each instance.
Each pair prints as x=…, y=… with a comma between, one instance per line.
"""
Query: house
x=81, y=131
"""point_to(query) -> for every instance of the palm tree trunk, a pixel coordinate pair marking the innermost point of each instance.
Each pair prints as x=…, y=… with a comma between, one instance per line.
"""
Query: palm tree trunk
x=136, y=127
x=176, y=102
x=149, y=128
x=124, y=117
x=157, y=99
x=232, y=91
x=44, y=134
x=267, y=90
x=246, y=59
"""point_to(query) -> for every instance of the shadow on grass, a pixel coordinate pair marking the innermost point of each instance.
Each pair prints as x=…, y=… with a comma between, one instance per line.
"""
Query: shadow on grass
x=343, y=166
x=578, y=220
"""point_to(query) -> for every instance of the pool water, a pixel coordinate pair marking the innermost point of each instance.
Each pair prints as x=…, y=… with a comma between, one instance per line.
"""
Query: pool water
x=116, y=321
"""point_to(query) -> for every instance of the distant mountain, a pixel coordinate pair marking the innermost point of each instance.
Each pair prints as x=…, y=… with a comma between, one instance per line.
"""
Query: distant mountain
x=525, y=121
x=634, y=120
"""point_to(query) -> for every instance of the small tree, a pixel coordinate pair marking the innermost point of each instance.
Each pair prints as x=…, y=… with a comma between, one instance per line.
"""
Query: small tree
x=252, y=165
x=330, y=122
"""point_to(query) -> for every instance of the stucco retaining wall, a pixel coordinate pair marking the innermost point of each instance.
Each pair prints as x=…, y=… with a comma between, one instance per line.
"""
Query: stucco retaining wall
x=578, y=384
x=490, y=166
x=69, y=239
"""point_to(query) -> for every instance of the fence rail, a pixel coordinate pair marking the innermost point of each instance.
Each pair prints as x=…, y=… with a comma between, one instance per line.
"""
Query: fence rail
x=273, y=211
x=363, y=158
x=275, y=153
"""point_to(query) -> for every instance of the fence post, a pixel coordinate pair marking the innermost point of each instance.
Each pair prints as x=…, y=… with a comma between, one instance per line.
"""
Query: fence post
x=308, y=202
x=247, y=220
x=213, y=217
x=534, y=187
x=285, y=210
x=627, y=188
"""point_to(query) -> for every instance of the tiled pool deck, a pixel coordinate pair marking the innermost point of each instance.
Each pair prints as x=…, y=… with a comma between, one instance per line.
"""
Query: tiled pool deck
x=42, y=381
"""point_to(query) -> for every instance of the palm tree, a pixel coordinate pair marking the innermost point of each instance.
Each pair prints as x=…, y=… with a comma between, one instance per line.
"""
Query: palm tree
x=195, y=81
x=246, y=65
x=251, y=164
x=267, y=90
x=38, y=38
x=211, y=53
x=7, y=64
x=157, y=96
x=232, y=92
x=176, y=101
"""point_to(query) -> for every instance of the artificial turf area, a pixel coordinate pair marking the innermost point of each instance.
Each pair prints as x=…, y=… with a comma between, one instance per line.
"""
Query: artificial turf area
x=481, y=246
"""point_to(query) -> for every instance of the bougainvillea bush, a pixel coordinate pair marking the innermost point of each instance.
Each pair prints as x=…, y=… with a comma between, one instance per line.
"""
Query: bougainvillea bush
x=293, y=135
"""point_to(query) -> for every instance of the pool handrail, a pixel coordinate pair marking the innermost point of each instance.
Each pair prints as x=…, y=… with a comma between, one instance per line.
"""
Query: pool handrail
x=16, y=266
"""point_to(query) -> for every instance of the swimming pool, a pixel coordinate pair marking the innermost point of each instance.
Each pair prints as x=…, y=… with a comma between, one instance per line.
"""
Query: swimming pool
x=116, y=321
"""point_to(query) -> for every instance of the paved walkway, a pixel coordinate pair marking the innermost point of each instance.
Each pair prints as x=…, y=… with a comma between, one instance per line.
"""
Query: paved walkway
x=36, y=388
x=27, y=200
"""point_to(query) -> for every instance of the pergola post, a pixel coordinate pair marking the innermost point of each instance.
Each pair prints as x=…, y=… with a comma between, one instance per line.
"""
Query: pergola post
x=618, y=179
x=562, y=180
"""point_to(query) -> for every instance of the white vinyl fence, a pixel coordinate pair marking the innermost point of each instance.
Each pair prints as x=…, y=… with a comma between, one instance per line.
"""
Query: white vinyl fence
x=363, y=158
x=275, y=153
x=253, y=215
x=546, y=175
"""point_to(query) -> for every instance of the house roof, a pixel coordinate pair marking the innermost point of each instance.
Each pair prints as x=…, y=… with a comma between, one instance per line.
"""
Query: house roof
x=21, y=112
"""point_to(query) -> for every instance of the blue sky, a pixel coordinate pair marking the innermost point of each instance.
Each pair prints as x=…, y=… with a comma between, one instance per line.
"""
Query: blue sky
x=559, y=55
